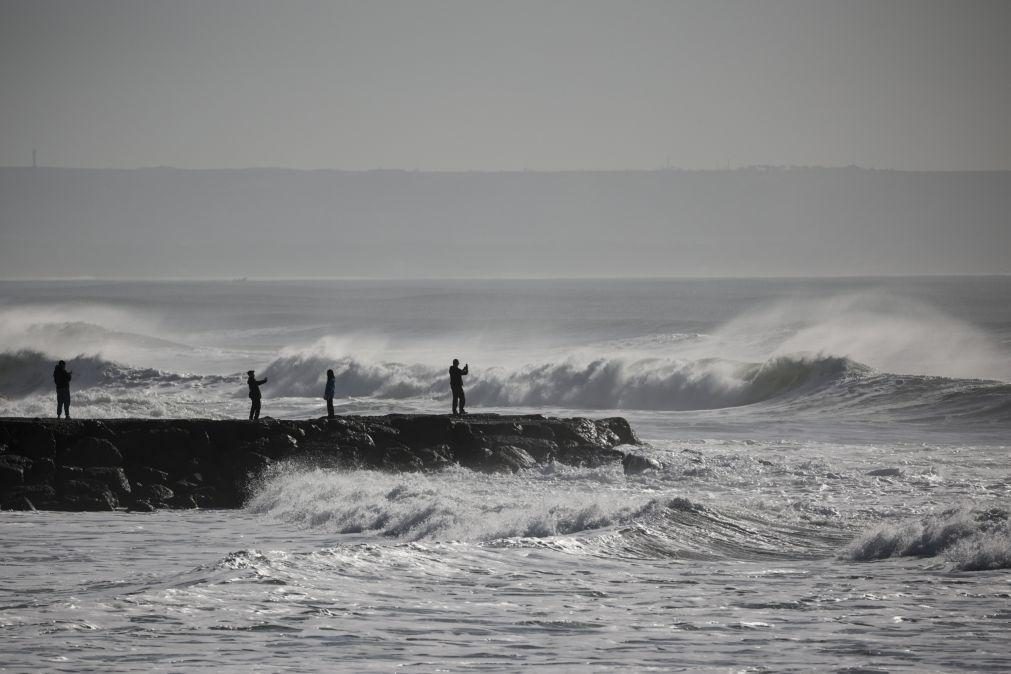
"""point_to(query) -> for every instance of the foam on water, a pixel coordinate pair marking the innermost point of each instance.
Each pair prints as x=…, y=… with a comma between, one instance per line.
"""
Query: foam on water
x=832, y=491
x=973, y=540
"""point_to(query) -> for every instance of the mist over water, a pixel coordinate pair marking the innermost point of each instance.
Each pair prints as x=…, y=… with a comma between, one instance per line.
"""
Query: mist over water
x=832, y=474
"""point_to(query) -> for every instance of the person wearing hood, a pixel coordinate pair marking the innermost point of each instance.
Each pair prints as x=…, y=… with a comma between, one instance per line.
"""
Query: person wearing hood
x=331, y=384
x=254, y=394
x=61, y=376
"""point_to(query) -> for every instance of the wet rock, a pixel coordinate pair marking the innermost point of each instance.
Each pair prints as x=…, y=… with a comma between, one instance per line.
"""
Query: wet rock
x=41, y=495
x=622, y=430
x=86, y=495
x=33, y=442
x=112, y=477
x=18, y=503
x=13, y=469
x=187, y=462
x=634, y=464
x=42, y=470
x=91, y=451
x=156, y=494
x=147, y=475
x=183, y=502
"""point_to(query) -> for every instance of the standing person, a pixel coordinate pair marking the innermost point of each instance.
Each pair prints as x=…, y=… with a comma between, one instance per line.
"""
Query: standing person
x=331, y=383
x=456, y=384
x=254, y=394
x=62, y=378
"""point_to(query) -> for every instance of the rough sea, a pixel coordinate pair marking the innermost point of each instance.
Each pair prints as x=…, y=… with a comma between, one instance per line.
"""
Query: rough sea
x=833, y=495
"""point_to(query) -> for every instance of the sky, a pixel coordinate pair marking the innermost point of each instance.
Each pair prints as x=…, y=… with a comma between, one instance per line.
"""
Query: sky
x=542, y=85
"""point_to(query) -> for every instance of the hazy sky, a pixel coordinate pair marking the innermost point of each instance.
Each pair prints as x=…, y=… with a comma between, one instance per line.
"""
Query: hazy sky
x=506, y=85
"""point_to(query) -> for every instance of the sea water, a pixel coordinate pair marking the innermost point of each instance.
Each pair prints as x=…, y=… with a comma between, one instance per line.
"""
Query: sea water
x=833, y=490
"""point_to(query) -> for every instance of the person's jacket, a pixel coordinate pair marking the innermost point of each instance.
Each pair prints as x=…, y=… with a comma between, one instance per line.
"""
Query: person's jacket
x=62, y=378
x=331, y=384
x=254, y=388
x=456, y=375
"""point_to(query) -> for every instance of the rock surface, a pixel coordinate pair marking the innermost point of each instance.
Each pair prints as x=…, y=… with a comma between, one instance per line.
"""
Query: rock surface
x=143, y=464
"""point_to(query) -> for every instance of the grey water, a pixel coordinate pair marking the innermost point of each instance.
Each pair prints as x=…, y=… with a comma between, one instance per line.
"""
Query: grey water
x=833, y=490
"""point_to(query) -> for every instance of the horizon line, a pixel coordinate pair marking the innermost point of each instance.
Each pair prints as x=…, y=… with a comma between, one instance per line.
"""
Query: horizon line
x=708, y=277
x=659, y=169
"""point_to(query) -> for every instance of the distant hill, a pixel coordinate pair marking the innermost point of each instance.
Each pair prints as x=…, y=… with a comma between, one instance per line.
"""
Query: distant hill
x=164, y=222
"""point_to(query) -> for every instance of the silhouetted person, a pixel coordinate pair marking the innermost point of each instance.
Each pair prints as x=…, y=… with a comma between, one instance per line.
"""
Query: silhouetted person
x=331, y=383
x=254, y=394
x=62, y=378
x=456, y=384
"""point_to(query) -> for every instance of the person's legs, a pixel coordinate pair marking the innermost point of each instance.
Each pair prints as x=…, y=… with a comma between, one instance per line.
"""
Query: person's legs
x=252, y=407
x=456, y=398
x=62, y=403
x=59, y=405
x=256, y=409
x=329, y=408
x=463, y=402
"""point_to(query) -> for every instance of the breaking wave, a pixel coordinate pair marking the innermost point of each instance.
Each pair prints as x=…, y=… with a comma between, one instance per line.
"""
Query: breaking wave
x=578, y=510
x=972, y=540
x=603, y=383
x=811, y=384
x=25, y=372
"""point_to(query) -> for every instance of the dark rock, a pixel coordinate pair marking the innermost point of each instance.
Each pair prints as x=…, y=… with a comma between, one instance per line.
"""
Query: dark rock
x=21, y=503
x=434, y=458
x=183, y=502
x=86, y=495
x=13, y=469
x=426, y=431
x=212, y=463
x=147, y=475
x=504, y=459
x=886, y=472
x=163, y=448
x=157, y=494
x=587, y=457
x=400, y=458
x=587, y=433
x=141, y=507
x=636, y=463
x=512, y=457
x=91, y=452
x=34, y=442
x=39, y=494
x=622, y=430
x=42, y=470
x=112, y=477
x=69, y=473
x=541, y=449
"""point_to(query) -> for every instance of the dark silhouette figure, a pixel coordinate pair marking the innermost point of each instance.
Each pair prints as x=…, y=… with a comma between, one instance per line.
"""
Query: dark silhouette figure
x=456, y=384
x=254, y=394
x=62, y=378
x=331, y=383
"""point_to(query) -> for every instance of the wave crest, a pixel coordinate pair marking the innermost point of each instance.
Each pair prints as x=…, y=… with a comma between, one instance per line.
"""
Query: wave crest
x=972, y=540
x=602, y=383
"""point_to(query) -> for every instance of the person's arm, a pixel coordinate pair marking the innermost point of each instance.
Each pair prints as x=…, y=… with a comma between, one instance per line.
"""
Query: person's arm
x=262, y=381
x=466, y=369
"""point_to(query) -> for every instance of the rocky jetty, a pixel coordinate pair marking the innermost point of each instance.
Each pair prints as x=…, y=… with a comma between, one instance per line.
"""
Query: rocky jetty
x=143, y=464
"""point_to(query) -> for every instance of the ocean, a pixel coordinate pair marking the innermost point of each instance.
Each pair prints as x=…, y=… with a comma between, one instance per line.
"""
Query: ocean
x=833, y=491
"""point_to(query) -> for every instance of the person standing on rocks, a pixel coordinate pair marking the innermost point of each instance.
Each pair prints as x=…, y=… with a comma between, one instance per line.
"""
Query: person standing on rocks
x=456, y=384
x=328, y=392
x=254, y=394
x=62, y=378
